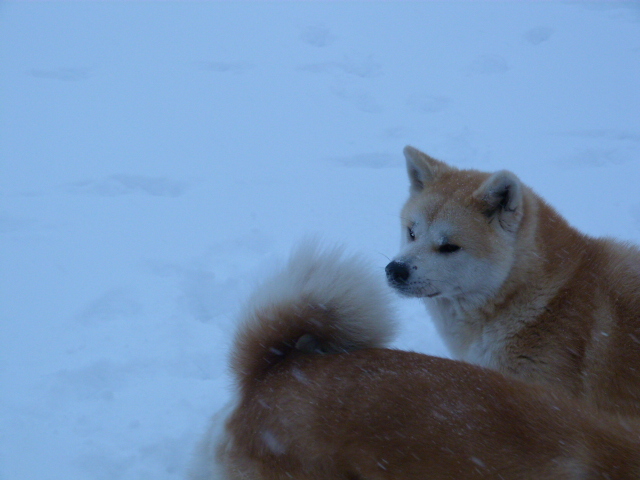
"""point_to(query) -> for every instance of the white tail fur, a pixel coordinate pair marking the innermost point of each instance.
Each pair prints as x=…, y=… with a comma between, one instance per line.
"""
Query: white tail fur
x=322, y=301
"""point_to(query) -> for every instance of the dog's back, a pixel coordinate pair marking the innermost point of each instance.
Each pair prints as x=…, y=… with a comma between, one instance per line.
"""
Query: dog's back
x=320, y=398
x=386, y=414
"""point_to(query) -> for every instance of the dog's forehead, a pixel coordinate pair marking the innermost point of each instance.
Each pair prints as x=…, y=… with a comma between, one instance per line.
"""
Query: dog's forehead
x=451, y=218
x=434, y=207
x=446, y=198
x=460, y=184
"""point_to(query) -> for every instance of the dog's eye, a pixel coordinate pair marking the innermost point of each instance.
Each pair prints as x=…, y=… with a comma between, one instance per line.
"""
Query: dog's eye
x=448, y=248
x=411, y=233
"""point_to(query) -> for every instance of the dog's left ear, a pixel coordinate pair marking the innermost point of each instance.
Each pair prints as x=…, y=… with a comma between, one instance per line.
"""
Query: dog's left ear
x=421, y=168
x=500, y=197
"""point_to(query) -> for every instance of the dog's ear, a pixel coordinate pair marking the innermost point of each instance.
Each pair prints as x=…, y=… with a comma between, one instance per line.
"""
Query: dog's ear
x=422, y=169
x=500, y=197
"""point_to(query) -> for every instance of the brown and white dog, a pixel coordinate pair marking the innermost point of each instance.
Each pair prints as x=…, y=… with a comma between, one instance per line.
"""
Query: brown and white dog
x=321, y=398
x=513, y=287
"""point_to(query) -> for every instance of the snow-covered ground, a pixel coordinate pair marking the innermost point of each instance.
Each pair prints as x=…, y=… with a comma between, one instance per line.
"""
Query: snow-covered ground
x=157, y=158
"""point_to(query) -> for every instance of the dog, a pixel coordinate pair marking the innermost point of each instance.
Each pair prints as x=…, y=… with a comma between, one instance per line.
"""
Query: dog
x=321, y=397
x=513, y=287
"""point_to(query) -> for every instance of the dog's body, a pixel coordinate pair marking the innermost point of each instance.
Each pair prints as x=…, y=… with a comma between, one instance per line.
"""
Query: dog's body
x=513, y=287
x=319, y=398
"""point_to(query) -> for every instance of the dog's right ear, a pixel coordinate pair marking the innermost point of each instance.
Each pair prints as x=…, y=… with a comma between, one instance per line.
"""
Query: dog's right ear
x=501, y=197
x=422, y=169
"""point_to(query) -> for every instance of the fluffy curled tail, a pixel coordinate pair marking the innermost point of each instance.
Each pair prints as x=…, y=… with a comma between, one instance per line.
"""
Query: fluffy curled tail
x=322, y=301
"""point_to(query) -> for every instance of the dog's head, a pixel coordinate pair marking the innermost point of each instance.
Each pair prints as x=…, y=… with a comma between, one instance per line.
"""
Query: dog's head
x=459, y=230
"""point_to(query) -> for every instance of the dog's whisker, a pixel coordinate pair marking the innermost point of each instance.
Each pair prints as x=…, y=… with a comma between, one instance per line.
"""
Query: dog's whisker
x=385, y=256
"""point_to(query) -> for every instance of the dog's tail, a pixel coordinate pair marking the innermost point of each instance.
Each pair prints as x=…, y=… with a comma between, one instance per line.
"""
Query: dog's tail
x=322, y=301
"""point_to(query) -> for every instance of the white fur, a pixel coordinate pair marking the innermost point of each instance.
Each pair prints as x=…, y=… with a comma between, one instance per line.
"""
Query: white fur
x=327, y=277
x=463, y=278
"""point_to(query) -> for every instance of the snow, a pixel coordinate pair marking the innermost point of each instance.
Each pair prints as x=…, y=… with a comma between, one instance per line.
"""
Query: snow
x=158, y=157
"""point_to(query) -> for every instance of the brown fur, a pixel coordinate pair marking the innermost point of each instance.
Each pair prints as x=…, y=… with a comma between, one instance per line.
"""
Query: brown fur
x=385, y=414
x=567, y=313
x=320, y=398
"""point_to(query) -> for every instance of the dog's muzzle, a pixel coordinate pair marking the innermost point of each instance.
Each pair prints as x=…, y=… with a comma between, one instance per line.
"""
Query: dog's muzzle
x=397, y=273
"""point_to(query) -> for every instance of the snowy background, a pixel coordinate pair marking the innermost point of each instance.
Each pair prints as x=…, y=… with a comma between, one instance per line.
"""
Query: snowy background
x=157, y=158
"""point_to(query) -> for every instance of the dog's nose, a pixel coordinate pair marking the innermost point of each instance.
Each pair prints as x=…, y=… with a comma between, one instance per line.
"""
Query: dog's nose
x=397, y=272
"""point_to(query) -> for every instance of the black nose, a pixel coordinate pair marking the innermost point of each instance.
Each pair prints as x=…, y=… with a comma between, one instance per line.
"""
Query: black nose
x=397, y=272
